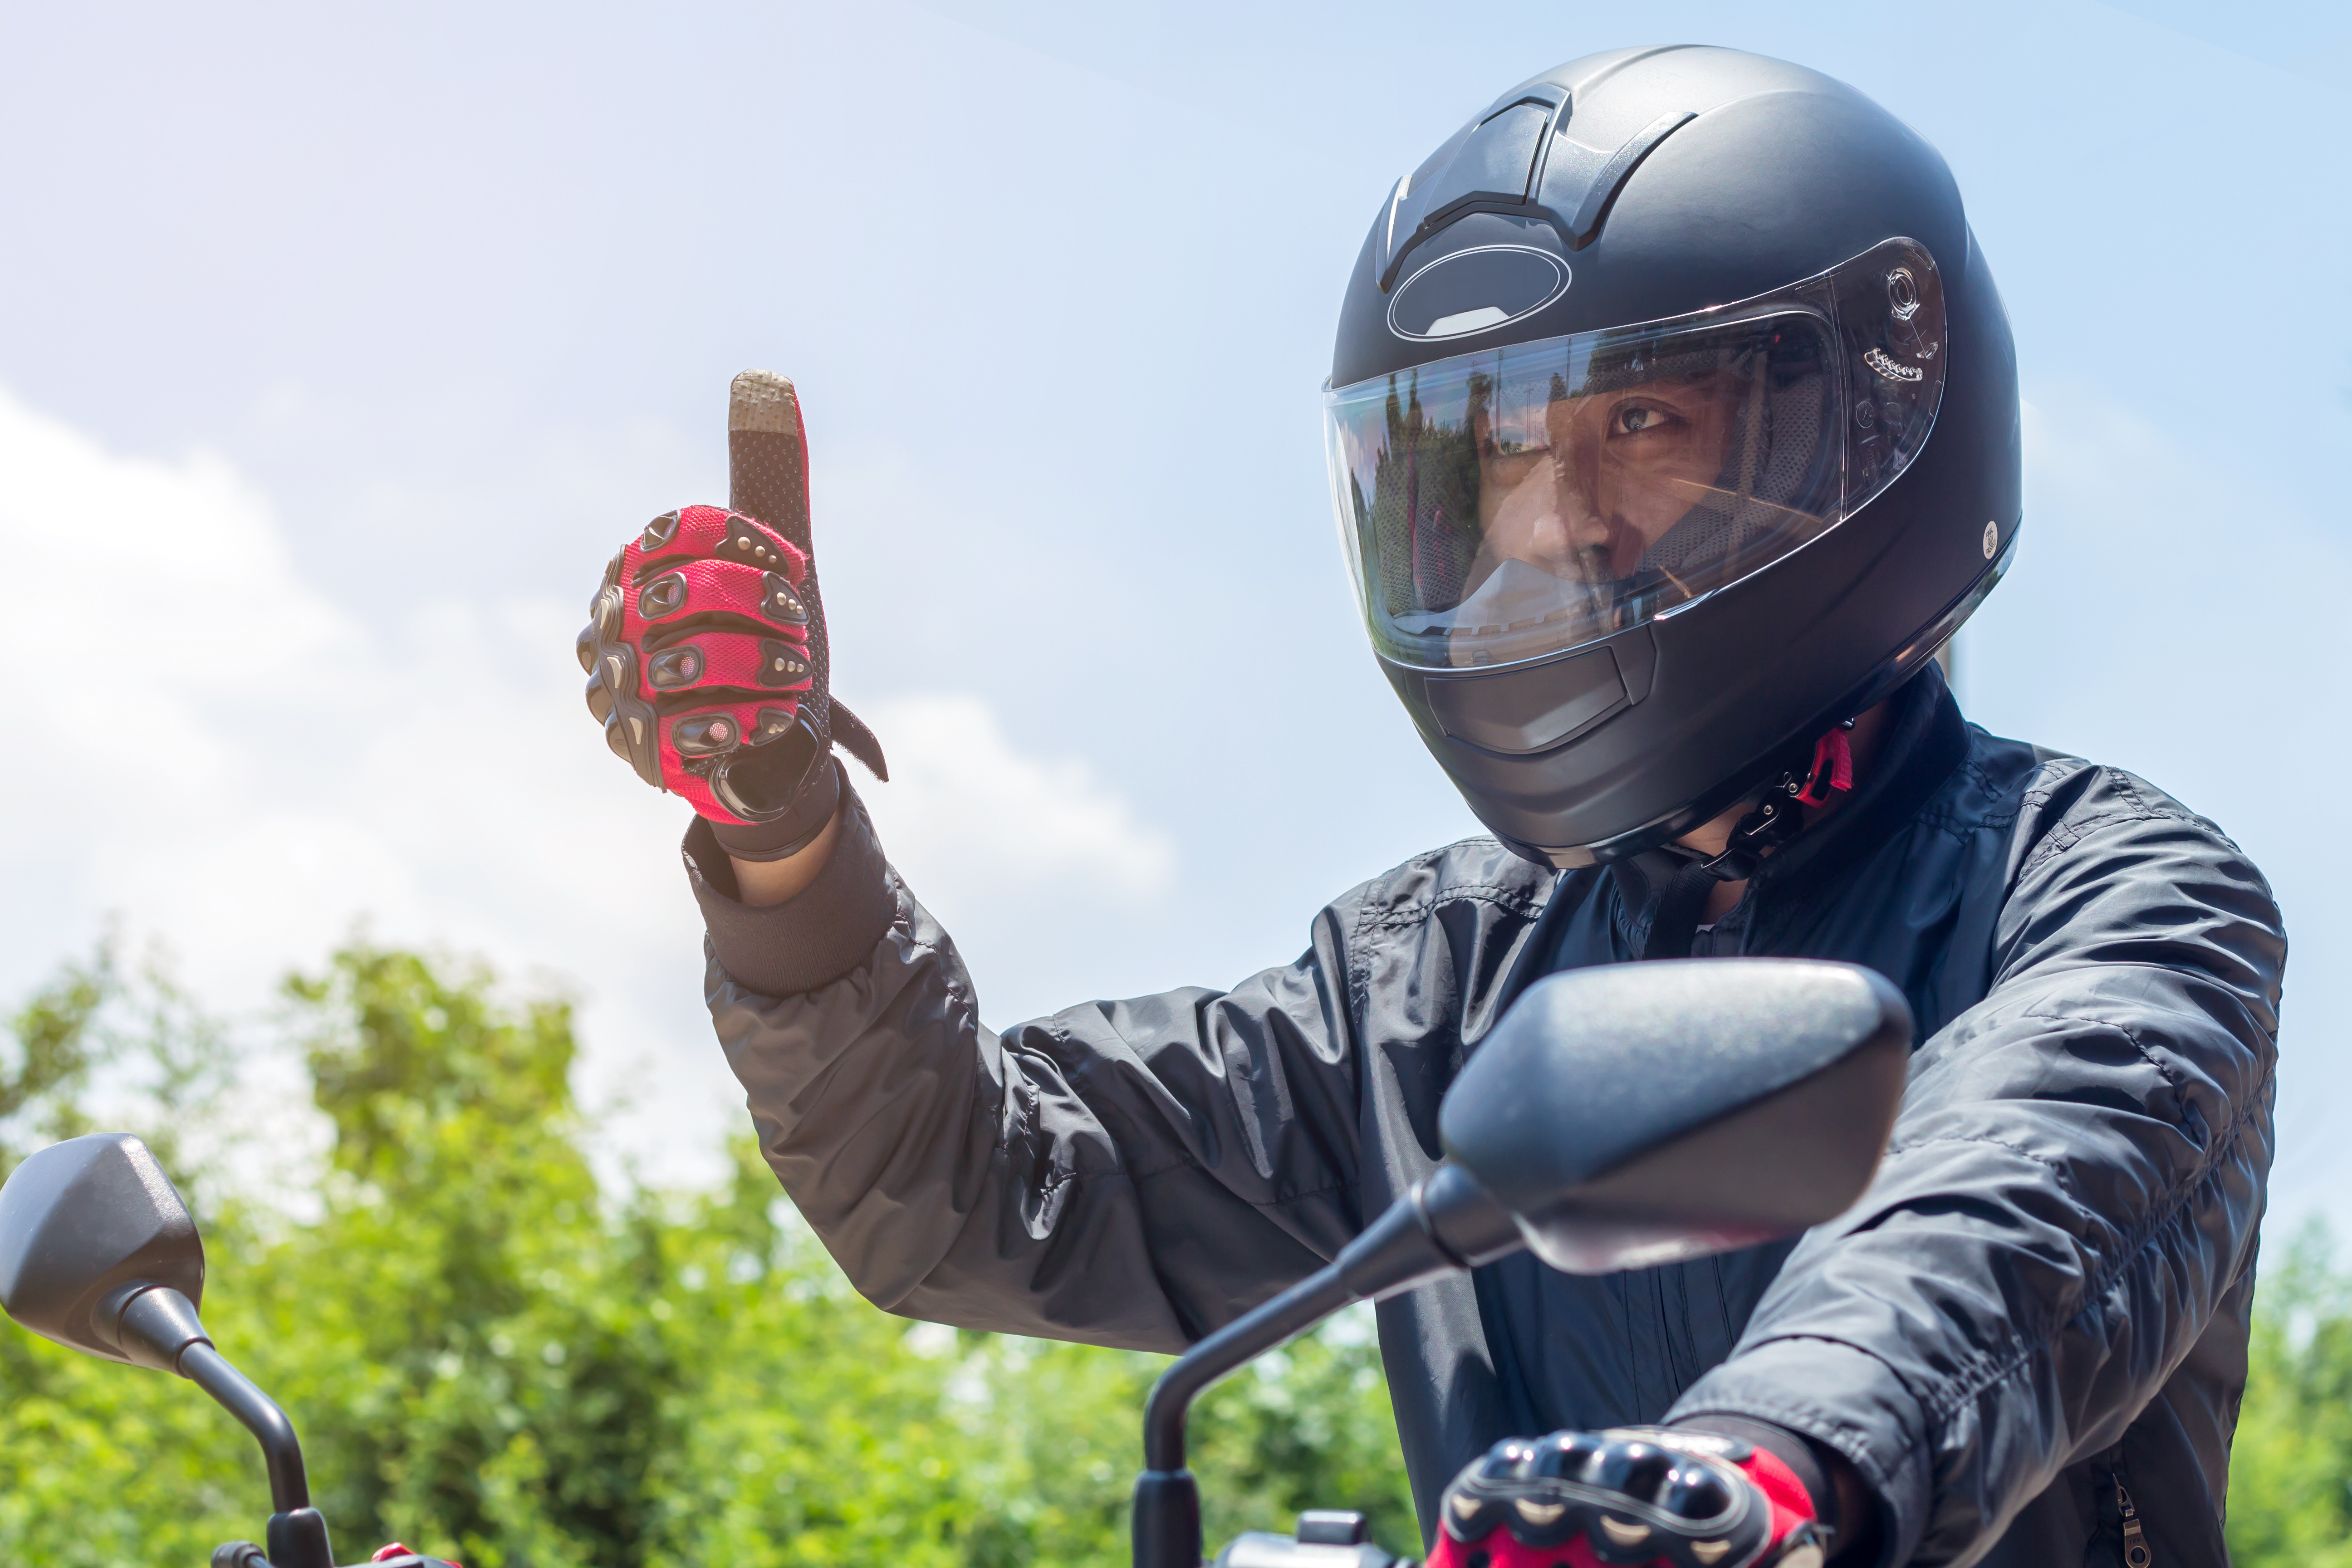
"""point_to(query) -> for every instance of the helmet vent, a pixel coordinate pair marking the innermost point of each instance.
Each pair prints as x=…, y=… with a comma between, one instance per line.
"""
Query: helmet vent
x=1493, y=170
x=1593, y=204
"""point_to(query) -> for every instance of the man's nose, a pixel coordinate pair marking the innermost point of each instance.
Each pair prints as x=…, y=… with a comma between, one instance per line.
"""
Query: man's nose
x=1575, y=516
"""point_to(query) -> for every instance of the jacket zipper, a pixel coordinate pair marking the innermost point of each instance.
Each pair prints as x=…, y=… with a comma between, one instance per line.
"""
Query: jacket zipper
x=2136, y=1552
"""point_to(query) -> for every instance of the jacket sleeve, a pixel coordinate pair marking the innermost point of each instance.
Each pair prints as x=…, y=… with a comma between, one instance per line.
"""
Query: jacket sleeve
x=1130, y=1173
x=2073, y=1184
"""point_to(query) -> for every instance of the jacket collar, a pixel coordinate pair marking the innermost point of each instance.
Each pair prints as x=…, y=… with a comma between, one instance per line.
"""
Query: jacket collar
x=1925, y=739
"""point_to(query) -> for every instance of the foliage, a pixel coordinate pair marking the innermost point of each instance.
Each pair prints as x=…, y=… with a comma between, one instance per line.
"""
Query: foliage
x=2291, y=1470
x=486, y=1356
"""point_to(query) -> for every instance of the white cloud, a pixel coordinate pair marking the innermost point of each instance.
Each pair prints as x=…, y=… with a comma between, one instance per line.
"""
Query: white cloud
x=966, y=813
x=211, y=746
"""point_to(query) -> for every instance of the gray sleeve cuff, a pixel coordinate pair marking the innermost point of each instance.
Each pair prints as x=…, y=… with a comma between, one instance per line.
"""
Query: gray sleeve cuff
x=810, y=940
x=1844, y=1399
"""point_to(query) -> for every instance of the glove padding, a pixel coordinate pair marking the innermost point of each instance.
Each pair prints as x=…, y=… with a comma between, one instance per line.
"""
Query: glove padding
x=398, y=1556
x=706, y=650
x=1628, y=1496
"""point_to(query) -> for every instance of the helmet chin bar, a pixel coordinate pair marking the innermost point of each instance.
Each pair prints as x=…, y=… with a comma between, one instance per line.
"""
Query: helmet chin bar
x=1493, y=779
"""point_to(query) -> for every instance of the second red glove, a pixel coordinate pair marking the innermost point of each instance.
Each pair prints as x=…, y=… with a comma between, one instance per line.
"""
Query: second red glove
x=1628, y=1496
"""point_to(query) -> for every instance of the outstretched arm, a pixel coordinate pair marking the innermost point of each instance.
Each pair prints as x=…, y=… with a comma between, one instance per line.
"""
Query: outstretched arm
x=1130, y=1172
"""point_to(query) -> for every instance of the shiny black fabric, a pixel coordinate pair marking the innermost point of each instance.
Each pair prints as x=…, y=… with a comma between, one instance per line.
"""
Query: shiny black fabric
x=2046, y=1288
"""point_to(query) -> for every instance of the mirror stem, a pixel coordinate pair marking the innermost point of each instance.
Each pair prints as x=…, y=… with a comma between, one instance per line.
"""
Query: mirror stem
x=1294, y=1311
x=1448, y=1222
x=289, y=1485
x=297, y=1532
x=1167, y=1522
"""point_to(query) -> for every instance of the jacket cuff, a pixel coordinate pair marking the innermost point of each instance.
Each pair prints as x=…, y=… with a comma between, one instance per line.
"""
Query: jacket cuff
x=810, y=940
x=1844, y=1399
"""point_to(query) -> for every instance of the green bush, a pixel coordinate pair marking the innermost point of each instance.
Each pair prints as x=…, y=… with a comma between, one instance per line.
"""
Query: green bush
x=486, y=1357
x=2291, y=1470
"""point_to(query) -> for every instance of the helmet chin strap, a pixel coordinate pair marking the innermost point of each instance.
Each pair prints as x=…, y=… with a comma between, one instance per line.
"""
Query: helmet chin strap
x=1773, y=821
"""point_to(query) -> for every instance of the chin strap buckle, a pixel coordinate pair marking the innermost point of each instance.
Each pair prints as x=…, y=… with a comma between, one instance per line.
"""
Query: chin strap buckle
x=1772, y=823
x=1760, y=833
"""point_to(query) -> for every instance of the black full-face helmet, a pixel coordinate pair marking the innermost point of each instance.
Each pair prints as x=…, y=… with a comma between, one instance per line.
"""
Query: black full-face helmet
x=1672, y=421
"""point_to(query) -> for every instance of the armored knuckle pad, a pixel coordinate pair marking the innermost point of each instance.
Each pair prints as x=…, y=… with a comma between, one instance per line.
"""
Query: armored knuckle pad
x=662, y=595
x=674, y=666
x=751, y=543
x=658, y=533
x=779, y=602
x=1626, y=1497
x=631, y=729
x=782, y=664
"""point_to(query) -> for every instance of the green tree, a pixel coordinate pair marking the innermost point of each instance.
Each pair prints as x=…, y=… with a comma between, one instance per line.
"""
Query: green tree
x=486, y=1355
x=99, y=1464
x=2291, y=1469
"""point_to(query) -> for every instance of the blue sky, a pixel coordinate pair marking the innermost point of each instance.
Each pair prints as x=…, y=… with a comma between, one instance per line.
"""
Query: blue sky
x=364, y=334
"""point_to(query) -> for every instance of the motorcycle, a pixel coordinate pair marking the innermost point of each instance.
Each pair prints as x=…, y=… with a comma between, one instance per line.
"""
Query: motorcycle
x=1614, y=1118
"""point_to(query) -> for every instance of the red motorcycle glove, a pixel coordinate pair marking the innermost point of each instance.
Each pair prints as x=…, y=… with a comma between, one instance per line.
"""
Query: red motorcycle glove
x=1639, y=1495
x=398, y=1556
x=706, y=651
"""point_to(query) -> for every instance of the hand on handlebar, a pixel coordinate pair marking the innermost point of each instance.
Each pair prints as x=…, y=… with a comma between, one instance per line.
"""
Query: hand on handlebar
x=1643, y=1495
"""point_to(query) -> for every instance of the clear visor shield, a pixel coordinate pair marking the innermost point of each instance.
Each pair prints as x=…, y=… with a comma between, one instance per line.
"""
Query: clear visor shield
x=1509, y=503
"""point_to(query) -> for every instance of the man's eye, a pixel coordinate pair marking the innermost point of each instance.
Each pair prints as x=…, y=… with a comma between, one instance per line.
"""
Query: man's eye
x=1634, y=418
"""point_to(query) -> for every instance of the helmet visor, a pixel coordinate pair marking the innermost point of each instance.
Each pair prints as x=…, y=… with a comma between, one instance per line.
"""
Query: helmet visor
x=1505, y=504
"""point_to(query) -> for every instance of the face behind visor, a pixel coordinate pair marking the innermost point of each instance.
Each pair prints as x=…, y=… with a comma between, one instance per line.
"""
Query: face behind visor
x=1505, y=504
x=1672, y=421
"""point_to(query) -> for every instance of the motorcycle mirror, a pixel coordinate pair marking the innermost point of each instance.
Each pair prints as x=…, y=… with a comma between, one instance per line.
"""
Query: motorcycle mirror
x=1614, y=1118
x=97, y=1253
x=83, y=1226
x=1637, y=1114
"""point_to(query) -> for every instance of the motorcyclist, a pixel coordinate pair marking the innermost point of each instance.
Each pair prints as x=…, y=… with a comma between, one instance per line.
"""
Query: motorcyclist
x=1673, y=426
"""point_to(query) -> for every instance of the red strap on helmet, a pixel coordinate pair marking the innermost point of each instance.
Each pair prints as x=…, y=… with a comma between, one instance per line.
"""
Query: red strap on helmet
x=1833, y=769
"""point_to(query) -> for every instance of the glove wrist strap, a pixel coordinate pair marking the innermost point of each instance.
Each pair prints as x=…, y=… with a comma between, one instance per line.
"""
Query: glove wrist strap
x=793, y=832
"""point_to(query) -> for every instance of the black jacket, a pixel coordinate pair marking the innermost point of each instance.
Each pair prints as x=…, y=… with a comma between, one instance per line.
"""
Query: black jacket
x=2044, y=1294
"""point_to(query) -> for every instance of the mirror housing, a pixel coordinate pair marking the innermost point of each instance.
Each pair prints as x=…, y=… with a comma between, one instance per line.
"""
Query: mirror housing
x=97, y=1253
x=1636, y=1114
x=86, y=1225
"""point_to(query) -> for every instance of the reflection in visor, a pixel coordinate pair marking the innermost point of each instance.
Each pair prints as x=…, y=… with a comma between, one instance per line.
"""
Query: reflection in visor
x=1505, y=504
